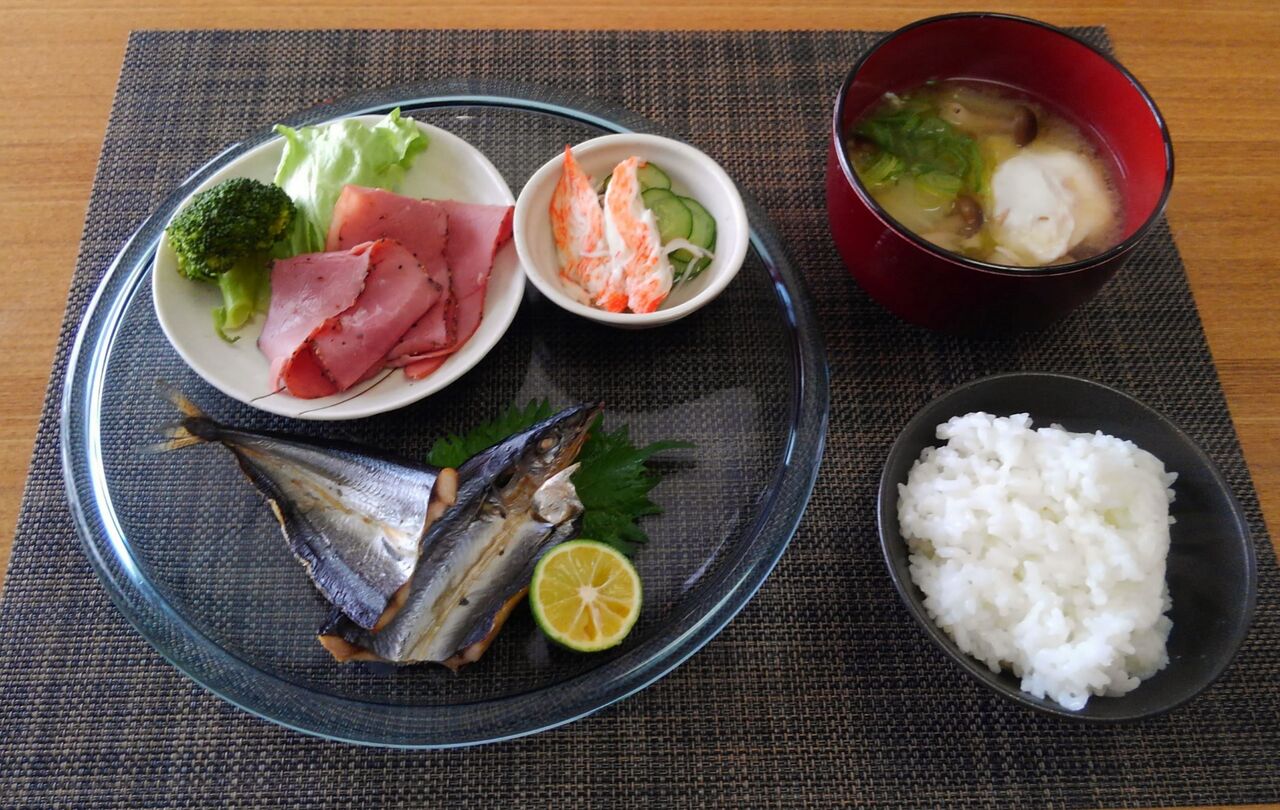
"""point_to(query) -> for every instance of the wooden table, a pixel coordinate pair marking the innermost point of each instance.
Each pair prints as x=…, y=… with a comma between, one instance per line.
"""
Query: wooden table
x=1211, y=66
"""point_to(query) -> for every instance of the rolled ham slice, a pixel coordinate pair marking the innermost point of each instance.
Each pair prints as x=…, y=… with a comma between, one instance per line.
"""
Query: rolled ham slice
x=476, y=233
x=455, y=243
x=434, y=335
x=397, y=292
x=366, y=214
x=306, y=292
x=305, y=378
x=418, y=369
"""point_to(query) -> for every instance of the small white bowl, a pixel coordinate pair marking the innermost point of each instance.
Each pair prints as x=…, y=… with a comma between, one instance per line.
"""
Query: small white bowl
x=692, y=174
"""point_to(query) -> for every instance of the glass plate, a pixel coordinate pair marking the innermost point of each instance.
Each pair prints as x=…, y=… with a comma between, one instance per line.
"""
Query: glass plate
x=194, y=559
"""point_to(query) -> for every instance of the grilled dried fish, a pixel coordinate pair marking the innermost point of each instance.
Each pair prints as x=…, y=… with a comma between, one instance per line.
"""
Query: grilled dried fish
x=353, y=516
x=514, y=501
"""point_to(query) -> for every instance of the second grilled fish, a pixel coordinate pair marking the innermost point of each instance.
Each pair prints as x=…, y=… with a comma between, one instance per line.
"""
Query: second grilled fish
x=352, y=515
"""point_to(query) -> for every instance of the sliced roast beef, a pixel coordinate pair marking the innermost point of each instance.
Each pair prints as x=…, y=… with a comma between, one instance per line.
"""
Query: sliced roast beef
x=397, y=292
x=306, y=293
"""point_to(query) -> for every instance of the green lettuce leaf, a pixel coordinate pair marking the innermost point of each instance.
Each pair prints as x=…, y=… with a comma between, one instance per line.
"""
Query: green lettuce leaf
x=613, y=481
x=912, y=138
x=319, y=160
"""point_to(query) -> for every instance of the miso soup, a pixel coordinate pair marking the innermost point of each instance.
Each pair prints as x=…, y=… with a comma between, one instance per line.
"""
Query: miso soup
x=987, y=174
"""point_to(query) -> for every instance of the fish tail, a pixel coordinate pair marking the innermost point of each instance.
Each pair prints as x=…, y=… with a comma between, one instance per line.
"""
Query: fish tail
x=176, y=436
x=193, y=428
x=179, y=400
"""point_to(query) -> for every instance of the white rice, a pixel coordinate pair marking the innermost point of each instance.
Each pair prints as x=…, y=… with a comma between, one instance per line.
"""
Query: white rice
x=1043, y=551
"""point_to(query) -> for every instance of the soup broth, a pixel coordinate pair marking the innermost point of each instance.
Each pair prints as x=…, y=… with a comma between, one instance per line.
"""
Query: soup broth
x=988, y=175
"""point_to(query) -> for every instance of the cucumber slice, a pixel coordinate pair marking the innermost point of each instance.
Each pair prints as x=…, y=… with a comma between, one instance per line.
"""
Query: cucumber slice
x=686, y=271
x=678, y=268
x=674, y=219
x=702, y=233
x=650, y=176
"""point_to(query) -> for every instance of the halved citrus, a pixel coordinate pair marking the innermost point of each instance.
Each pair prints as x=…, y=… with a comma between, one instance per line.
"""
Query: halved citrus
x=585, y=595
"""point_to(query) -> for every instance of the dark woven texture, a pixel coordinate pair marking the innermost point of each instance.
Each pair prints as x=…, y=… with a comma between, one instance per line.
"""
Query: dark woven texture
x=822, y=691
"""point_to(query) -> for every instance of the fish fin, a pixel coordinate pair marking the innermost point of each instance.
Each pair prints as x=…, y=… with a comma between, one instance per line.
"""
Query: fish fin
x=180, y=401
x=193, y=428
x=176, y=436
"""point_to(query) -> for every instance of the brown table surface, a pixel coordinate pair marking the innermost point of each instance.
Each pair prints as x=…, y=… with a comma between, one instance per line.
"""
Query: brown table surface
x=1212, y=67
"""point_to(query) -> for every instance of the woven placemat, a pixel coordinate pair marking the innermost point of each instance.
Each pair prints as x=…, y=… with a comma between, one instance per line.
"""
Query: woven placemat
x=822, y=691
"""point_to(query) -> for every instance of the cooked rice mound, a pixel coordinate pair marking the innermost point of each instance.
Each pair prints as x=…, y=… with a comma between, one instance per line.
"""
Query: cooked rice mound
x=1043, y=552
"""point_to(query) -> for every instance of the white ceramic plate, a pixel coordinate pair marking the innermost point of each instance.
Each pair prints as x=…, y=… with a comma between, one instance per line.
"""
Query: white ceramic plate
x=450, y=168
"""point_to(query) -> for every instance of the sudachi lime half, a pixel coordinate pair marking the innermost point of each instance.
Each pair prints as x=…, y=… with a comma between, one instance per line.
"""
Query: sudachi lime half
x=585, y=595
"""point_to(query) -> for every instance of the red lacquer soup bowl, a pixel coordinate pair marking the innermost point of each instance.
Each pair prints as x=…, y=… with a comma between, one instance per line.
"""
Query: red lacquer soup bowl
x=923, y=283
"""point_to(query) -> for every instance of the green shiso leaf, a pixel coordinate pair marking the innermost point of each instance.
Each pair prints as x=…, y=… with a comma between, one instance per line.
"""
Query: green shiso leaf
x=614, y=484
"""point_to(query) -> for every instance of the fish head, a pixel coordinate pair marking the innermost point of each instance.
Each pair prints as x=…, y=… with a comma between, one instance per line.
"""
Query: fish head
x=549, y=449
x=522, y=463
x=556, y=442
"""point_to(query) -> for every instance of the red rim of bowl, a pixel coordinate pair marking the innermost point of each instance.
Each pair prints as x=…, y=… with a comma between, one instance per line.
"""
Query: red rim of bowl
x=838, y=133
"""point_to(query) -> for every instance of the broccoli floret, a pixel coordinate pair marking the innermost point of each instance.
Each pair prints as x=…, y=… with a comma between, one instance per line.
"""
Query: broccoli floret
x=235, y=220
x=225, y=237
